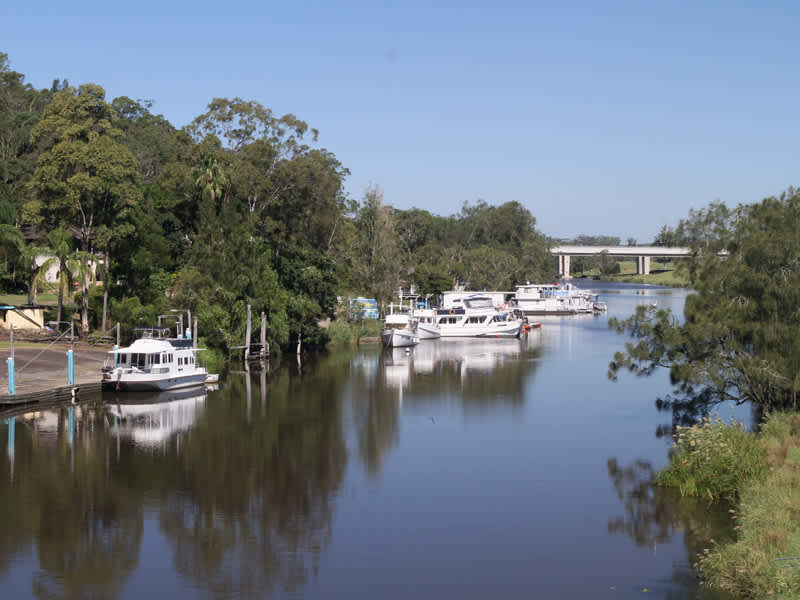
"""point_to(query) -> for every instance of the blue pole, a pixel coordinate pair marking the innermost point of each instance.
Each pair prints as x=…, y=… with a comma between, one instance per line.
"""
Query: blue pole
x=116, y=348
x=70, y=367
x=10, y=361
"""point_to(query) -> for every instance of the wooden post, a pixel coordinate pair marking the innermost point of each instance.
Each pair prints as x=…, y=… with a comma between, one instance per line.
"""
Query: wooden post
x=299, y=343
x=194, y=333
x=263, y=335
x=248, y=332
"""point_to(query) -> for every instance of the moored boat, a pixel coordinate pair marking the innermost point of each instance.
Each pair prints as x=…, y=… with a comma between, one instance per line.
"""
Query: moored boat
x=477, y=318
x=427, y=329
x=399, y=331
x=552, y=299
x=154, y=362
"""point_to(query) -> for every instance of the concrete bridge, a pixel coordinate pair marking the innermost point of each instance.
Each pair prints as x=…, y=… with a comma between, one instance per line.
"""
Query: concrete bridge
x=643, y=255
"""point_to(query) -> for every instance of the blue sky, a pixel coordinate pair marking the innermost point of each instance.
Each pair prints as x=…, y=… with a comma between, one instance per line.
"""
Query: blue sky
x=600, y=117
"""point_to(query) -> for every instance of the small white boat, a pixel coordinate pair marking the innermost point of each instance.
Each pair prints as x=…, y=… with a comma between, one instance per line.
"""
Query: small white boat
x=399, y=331
x=154, y=362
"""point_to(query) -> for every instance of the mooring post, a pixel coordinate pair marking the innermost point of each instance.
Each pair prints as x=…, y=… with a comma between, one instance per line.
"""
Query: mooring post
x=263, y=334
x=299, y=343
x=248, y=332
x=194, y=333
x=10, y=361
x=116, y=347
x=71, y=359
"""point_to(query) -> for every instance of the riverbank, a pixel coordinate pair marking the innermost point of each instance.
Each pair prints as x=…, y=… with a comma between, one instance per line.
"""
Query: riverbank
x=667, y=274
x=762, y=472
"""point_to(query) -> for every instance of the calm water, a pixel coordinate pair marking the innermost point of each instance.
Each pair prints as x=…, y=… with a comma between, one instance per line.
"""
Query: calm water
x=465, y=469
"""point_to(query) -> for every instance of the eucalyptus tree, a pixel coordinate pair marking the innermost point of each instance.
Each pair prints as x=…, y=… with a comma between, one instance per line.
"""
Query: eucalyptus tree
x=21, y=107
x=85, y=174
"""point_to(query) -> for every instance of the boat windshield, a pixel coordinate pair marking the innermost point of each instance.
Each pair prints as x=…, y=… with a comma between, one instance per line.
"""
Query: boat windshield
x=479, y=302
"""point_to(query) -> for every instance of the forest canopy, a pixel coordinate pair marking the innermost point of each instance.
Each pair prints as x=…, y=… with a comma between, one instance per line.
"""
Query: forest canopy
x=241, y=207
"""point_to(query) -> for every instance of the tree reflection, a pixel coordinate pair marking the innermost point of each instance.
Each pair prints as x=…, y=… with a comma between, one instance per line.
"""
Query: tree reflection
x=86, y=527
x=654, y=514
x=249, y=508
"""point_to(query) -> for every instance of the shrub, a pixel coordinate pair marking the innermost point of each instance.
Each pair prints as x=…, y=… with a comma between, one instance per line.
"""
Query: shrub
x=713, y=459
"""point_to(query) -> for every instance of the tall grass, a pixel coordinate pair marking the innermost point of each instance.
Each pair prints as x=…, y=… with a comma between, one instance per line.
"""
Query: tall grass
x=343, y=332
x=712, y=459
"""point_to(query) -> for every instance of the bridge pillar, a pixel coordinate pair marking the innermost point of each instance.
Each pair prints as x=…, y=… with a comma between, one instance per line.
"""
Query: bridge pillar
x=564, y=266
x=643, y=265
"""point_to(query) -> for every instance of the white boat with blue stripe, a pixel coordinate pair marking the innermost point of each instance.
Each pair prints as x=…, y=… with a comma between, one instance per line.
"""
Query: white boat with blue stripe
x=154, y=362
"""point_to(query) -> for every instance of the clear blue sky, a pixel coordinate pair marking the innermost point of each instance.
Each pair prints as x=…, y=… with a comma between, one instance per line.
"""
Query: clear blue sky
x=600, y=117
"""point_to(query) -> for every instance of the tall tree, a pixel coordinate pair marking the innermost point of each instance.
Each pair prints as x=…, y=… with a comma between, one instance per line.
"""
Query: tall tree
x=85, y=175
x=739, y=335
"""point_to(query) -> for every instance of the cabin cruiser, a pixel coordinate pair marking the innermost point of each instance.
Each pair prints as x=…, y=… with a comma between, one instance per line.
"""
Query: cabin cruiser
x=154, y=362
x=552, y=299
x=477, y=318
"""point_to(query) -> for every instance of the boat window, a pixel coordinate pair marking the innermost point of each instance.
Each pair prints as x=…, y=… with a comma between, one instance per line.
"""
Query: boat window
x=156, y=359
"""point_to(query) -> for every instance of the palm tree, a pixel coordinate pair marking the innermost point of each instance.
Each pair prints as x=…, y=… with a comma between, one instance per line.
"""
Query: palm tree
x=83, y=269
x=58, y=253
x=211, y=178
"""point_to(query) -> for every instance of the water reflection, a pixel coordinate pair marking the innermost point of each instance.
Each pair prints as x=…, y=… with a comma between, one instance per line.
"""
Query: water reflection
x=477, y=463
x=149, y=420
x=654, y=514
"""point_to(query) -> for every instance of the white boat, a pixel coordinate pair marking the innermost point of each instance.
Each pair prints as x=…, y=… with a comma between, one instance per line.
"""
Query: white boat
x=552, y=299
x=477, y=318
x=154, y=362
x=427, y=329
x=399, y=330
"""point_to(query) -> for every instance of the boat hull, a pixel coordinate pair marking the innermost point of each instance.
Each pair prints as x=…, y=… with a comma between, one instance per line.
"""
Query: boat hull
x=145, y=382
x=510, y=331
x=428, y=331
x=399, y=338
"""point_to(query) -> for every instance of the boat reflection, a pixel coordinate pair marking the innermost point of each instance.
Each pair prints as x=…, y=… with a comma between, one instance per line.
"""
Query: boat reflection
x=151, y=419
x=465, y=356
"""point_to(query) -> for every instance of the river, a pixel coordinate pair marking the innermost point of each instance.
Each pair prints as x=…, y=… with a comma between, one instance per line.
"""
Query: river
x=463, y=469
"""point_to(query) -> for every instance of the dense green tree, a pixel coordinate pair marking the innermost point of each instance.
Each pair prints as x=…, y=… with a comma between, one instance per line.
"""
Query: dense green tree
x=85, y=175
x=739, y=335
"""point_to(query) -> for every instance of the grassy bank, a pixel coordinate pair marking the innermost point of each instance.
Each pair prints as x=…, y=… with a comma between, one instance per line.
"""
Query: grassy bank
x=343, y=332
x=666, y=274
x=762, y=471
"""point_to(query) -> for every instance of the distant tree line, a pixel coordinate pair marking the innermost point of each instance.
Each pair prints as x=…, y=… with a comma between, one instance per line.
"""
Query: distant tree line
x=239, y=207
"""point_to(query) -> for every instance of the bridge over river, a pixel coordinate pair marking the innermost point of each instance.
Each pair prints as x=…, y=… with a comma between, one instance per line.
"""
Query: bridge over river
x=643, y=255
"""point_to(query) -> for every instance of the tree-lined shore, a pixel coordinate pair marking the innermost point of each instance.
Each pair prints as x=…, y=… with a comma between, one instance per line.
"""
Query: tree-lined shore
x=242, y=206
